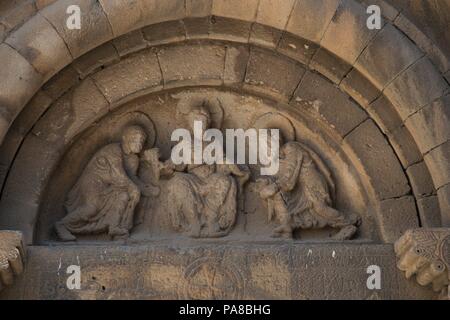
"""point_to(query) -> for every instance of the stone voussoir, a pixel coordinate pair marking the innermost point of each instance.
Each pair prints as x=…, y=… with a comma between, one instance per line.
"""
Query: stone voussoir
x=235, y=9
x=273, y=73
x=346, y=36
x=136, y=72
x=22, y=82
x=141, y=13
x=438, y=162
x=274, y=13
x=380, y=68
x=95, y=28
x=420, y=180
x=430, y=126
x=429, y=211
x=310, y=18
x=415, y=88
x=191, y=63
x=28, y=175
x=45, y=50
x=444, y=203
x=396, y=217
x=321, y=97
x=382, y=167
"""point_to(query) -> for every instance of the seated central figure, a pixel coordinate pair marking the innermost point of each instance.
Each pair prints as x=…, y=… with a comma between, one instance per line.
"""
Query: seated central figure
x=203, y=198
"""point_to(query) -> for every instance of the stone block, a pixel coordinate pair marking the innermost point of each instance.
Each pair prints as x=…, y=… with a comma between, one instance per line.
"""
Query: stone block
x=235, y=64
x=420, y=180
x=396, y=217
x=360, y=88
x=164, y=32
x=429, y=212
x=387, y=10
x=264, y=36
x=197, y=28
x=347, y=35
x=438, y=162
x=310, y=18
x=71, y=114
x=322, y=98
x=136, y=72
x=229, y=29
x=384, y=114
x=3, y=32
x=378, y=160
x=297, y=48
x=93, y=60
x=39, y=43
x=62, y=82
x=130, y=42
x=22, y=125
x=20, y=13
x=43, y=3
x=235, y=9
x=380, y=68
x=330, y=65
x=415, y=88
x=444, y=203
x=95, y=28
x=141, y=13
x=251, y=271
x=198, y=8
x=28, y=176
x=423, y=42
x=274, y=13
x=430, y=126
x=22, y=82
x=405, y=146
x=192, y=64
x=273, y=73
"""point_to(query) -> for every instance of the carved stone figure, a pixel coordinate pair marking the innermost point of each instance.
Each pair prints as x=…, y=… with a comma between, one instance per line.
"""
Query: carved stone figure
x=426, y=254
x=299, y=196
x=105, y=196
x=12, y=256
x=203, y=198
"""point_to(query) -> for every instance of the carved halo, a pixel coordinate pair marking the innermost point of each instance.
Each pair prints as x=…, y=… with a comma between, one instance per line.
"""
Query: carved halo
x=275, y=120
x=133, y=118
x=188, y=101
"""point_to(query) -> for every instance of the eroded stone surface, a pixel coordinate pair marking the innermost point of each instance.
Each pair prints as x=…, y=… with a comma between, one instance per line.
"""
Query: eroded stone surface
x=214, y=272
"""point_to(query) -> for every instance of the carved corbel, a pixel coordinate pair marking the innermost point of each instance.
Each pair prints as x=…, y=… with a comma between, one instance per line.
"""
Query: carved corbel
x=425, y=253
x=12, y=256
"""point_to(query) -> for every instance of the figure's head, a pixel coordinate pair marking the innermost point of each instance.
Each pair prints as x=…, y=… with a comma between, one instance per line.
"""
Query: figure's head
x=201, y=114
x=133, y=139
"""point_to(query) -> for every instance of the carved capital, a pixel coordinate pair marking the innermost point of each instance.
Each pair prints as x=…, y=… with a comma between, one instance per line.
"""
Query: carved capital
x=12, y=256
x=426, y=254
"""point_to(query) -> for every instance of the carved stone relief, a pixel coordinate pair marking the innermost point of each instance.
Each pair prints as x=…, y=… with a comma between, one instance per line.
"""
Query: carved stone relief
x=129, y=187
x=425, y=253
x=12, y=256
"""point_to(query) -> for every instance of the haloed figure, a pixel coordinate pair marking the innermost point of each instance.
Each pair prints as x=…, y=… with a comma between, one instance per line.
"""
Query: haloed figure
x=298, y=196
x=105, y=196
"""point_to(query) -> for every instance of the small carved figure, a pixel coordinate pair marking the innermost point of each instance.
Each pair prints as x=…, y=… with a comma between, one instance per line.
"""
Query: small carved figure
x=12, y=256
x=105, y=196
x=426, y=254
x=299, y=195
x=203, y=198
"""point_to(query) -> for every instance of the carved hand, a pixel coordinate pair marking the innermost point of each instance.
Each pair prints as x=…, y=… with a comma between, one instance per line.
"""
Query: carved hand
x=11, y=256
x=426, y=254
